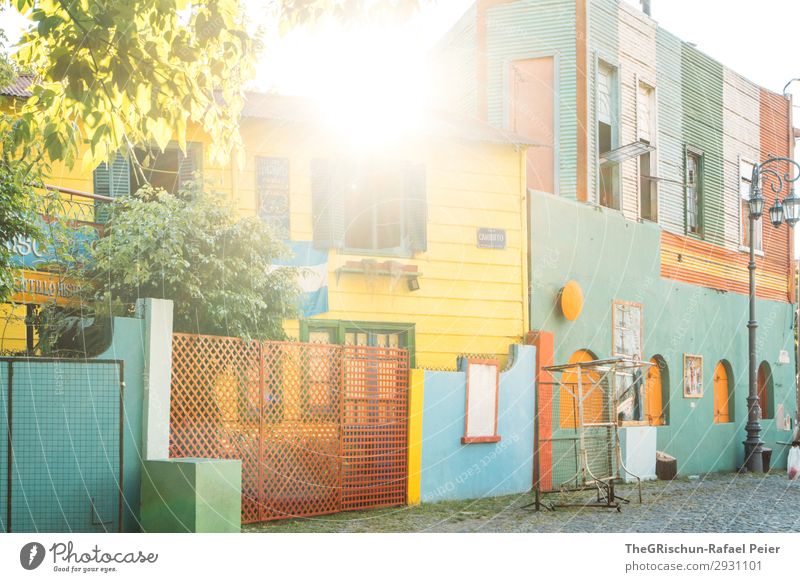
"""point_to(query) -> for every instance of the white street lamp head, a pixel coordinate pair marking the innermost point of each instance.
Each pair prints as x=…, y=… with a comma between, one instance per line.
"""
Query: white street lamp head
x=791, y=208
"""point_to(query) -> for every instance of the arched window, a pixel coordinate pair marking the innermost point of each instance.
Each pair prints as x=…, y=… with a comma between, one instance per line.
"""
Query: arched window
x=765, y=393
x=568, y=404
x=656, y=398
x=723, y=397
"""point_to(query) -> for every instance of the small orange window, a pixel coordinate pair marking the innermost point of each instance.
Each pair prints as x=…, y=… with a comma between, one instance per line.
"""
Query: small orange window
x=593, y=401
x=653, y=395
x=721, y=394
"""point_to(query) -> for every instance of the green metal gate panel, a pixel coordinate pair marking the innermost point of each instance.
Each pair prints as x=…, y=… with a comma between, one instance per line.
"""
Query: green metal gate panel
x=65, y=439
x=3, y=446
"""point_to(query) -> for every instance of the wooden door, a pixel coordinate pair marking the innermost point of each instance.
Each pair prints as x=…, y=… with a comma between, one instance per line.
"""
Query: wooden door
x=721, y=394
x=653, y=403
x=532, y=115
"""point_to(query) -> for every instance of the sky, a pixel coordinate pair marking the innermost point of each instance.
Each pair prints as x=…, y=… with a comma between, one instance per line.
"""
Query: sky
x=760, y=40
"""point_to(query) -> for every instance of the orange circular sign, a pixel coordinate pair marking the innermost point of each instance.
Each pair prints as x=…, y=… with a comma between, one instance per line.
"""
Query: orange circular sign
x=571, y=300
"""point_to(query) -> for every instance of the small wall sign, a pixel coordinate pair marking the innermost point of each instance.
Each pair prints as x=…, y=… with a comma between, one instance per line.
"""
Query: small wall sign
x=491, y=238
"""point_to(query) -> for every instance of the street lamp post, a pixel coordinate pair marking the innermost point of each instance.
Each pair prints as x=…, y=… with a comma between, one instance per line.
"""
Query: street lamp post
x=788, y=210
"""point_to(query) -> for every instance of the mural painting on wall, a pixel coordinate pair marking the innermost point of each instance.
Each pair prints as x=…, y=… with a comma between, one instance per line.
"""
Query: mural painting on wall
x=628, y=323
x=692, y=376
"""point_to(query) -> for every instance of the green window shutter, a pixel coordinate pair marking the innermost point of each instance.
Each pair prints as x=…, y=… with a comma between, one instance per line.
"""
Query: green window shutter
x=416, y=208
x=190, y=163
x=327, y=205
x=120, y=178
x=114, y=183
x=101, y=187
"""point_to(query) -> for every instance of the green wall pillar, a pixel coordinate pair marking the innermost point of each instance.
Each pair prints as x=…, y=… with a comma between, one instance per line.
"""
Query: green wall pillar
x=192, y=495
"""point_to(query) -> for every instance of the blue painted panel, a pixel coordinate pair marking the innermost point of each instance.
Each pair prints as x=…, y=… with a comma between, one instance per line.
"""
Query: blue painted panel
x=451, y=470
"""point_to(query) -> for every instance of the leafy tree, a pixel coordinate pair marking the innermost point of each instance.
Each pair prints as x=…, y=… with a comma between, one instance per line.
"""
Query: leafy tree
x=112, y=74
x=190, y=248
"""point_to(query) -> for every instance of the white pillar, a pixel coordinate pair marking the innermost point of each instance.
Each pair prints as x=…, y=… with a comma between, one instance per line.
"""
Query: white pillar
x=157, y=314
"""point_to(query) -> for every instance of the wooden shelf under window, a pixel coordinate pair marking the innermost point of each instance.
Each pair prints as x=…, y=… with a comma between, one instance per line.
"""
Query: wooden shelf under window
x=392, y=269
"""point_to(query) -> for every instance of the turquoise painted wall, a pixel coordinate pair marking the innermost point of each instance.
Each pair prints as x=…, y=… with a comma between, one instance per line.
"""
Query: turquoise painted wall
x=451, y=470
x=128, y=345
x=529, y=29
x=612, y=258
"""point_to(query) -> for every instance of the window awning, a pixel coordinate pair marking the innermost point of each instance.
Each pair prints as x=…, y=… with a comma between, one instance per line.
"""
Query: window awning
x=625, y=153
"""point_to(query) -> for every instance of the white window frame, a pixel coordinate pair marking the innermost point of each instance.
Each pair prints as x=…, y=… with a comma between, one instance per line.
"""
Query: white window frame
x=699, y=192
x=652, y=132
x=742, y=179
x=482, y=400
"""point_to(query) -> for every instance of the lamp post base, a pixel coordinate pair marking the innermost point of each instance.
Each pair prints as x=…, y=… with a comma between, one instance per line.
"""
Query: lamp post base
x=753, y=457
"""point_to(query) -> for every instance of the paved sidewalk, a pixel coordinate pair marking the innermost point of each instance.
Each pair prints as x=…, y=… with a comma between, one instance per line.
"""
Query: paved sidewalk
x=715, y=503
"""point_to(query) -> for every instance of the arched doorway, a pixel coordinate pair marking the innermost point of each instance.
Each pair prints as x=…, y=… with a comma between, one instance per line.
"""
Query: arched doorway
x=656, y=400
x=765, y=390
x=722, y=393
x=568, y=404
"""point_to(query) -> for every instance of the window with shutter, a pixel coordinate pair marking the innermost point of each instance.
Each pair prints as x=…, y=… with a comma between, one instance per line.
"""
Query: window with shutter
x=113, y=182
x=694, y=191
x=272, y=194
x=378, y=207
x=327, y=205
x=189, y=164
x=745, y=179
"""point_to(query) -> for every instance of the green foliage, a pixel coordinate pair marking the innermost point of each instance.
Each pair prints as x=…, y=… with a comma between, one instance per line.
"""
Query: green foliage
x=189, y=248
x=117, y=73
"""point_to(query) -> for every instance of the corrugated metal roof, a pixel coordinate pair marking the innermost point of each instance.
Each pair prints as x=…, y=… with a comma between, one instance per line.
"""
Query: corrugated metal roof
x=303, y=110
x=19, y=87
x=436, y=123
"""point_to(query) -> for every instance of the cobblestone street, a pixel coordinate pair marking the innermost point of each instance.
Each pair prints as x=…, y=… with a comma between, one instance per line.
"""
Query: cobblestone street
x=714, y=503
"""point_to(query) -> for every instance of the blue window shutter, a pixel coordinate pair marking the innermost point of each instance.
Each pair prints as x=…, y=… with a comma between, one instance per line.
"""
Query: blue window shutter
x=327, y=205
x=416, y=208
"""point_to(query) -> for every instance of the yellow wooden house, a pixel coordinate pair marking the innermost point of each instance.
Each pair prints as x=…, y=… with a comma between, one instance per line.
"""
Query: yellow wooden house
x=414, y=238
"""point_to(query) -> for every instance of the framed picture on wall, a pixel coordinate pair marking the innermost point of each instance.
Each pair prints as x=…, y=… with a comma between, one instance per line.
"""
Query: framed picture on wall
x=692, y=376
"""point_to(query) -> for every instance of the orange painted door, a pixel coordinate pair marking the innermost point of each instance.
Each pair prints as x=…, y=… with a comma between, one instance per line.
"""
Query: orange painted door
x=721, y=394
x=653, y=406
x=568, y=403
x=531, y=114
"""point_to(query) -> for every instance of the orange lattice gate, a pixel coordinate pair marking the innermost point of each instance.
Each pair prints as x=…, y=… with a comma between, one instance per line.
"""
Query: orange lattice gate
x=319, y=428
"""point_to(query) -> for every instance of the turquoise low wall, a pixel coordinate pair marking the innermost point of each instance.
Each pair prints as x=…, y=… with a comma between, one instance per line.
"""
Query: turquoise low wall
x=128, y=345
x=451, y=470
